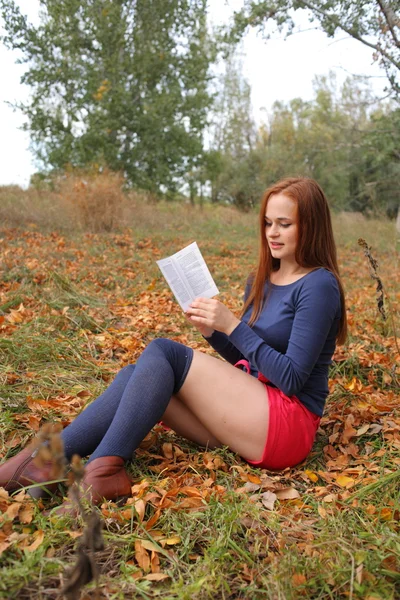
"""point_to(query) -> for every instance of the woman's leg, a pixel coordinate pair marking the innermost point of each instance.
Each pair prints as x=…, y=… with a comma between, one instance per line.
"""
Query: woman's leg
x=223, y=404
x=159, y=374
x=87, y=430
x=181, y=419
x=231, y=405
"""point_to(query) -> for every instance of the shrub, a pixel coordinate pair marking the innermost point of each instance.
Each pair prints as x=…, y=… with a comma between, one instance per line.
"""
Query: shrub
x=96, y=200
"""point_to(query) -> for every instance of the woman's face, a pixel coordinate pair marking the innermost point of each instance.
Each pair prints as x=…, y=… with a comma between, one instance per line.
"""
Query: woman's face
x=281, y=227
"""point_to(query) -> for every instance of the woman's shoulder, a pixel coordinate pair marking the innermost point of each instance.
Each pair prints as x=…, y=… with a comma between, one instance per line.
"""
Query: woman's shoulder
x=321, y=276
x=321, y=282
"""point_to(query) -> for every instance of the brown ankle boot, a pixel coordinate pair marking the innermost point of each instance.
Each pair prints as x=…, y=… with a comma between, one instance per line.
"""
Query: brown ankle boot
x=21, y=471
x=105, y=479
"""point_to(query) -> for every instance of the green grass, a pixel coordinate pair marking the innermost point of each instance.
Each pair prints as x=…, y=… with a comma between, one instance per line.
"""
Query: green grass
x=91, y=303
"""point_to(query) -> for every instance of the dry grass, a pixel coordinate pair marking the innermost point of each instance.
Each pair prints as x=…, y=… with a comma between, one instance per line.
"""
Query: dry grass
x=82, y=201
x=99, y=202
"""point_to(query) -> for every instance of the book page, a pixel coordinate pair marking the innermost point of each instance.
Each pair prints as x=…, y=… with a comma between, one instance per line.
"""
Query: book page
x=188, y=276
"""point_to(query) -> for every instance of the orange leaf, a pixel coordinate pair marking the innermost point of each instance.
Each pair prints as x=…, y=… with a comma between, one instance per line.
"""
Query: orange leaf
x=191, y=491
x=39, y=537
x=140, y=507
x=25, y=515
x=344, y=481
x=167, y=450
x=4, y=546
x=311, y=475
x=155, y=562
x=386, y=514
x=13, y=510
x=156, y=576
x=253, y=478
x=191, y=503
x=299, y=579
x=153, y=520
x=171, y=541
x=142, y=556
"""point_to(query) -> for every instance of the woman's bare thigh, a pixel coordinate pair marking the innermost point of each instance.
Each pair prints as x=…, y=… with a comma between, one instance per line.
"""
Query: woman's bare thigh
x=181, y=419
x=230, y=404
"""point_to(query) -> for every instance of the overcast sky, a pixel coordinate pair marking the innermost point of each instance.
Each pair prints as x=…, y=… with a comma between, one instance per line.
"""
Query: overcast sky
x=277, y=69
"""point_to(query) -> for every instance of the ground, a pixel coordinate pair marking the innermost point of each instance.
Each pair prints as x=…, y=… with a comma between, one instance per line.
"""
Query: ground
x=76, y=307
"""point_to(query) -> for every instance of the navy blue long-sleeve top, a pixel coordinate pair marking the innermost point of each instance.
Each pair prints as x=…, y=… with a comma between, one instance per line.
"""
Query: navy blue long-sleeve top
x=293, y=339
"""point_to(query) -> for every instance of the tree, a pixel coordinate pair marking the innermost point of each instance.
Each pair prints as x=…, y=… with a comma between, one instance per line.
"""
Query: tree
x=229, y=165
x=121, y=83
x=338, y=138
x=381, y=149
x=374, y=23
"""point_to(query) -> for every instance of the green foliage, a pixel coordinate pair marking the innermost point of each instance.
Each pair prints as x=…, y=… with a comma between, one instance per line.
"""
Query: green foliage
x=339, y=138
x=230, y=162
x=121, y=84
x=373, y=23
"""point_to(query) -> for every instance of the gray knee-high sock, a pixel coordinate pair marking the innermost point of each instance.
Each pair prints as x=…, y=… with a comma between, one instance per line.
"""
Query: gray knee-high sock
x=87, y=430
x=159, y=373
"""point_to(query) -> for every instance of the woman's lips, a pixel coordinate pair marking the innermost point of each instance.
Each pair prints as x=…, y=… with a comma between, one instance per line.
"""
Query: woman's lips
x=275, y=245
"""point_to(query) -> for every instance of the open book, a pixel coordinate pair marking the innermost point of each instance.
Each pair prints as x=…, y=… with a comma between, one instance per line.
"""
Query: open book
x=187, y=275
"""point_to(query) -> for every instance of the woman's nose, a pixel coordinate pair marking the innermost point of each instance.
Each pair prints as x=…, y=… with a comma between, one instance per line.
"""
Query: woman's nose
x=274, y=230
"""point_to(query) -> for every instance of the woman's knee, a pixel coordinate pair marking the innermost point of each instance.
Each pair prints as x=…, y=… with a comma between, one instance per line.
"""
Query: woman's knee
x=125, y=373
x=178, y=356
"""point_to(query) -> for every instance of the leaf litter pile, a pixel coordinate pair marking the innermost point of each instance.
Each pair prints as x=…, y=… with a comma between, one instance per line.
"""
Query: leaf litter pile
x=199, y=523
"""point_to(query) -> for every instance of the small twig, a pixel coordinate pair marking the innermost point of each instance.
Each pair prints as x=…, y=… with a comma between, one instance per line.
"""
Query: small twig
x=373, y=267
x=85, y=568
x=380, y=290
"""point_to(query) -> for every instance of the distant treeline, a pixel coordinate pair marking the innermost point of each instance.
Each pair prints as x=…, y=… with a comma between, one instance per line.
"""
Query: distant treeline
x=129, y=86
x=344, y=138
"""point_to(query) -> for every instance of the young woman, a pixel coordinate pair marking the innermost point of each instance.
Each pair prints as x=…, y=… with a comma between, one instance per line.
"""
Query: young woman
x=268, y=408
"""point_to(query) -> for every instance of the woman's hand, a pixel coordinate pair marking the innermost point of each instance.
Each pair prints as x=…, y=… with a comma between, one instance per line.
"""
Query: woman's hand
x=208, y=314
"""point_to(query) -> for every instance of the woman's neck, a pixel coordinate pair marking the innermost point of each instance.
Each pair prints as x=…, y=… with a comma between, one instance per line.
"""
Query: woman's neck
x=288, y=272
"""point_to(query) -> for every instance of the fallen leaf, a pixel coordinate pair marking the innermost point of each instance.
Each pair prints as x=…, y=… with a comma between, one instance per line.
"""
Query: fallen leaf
x=142, y=556
x=167, y=450
x=311, y=475
x=363, y=429
x=386, y=514
x=13, y=510
x=156, y=576
x=253, y=478
x=268, y=499
x=25, y=515
x=171, y=541
x=344, y=481
x=298, y=579
x=149, y=545
x=288, y=493
x=38, y=539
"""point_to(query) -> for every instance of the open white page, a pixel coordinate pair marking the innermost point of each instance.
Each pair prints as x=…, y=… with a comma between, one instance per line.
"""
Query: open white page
x=187, y=275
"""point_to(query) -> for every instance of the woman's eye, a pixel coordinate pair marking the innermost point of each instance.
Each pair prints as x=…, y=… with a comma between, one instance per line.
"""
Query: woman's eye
x=267, y=224
x=285, y=225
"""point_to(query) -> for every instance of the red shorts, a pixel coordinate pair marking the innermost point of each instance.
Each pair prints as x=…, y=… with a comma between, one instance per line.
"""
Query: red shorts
x=291, y=429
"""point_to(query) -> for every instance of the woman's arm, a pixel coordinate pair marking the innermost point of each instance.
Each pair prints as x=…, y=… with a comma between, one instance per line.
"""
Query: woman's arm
x=316, y=309
x=221, y=344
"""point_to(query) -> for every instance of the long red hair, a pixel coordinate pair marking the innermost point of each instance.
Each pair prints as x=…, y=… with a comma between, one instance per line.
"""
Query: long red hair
x=315, y=245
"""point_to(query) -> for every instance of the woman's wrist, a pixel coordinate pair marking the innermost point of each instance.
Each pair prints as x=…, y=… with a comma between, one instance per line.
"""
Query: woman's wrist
x=232, y=326
x=208, y=335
